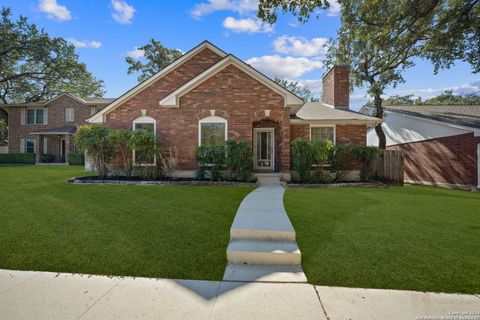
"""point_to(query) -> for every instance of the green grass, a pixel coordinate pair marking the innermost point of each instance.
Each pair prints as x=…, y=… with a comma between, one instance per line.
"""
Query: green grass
x=412, y=237
x=153, y=231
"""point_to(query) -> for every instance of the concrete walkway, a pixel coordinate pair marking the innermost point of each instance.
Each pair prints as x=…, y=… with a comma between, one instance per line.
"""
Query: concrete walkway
x=262, y=240
x=45, y=295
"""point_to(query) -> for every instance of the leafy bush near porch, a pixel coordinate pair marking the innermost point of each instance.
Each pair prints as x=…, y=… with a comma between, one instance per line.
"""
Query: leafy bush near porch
x=17, y=158
x=239, y=159
x=321, y=161
x=211, y=161
x=76, y=159
x=235, y=157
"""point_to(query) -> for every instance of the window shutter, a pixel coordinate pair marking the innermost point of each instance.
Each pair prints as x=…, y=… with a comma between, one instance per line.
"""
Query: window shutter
x=22, y=145
x=45, y=115
x=45, y=145
x=23, y=111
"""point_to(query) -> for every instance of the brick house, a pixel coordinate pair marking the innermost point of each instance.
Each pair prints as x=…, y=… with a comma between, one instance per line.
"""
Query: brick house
x=47, y=127
x=208, y=95
x=441, y=144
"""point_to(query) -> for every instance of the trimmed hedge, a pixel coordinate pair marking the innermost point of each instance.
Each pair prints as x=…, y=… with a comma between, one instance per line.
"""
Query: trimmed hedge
x=76, y=159
x=17, y=158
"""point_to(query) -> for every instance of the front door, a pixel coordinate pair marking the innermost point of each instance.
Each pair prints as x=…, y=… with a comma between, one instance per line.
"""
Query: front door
x=264, y=146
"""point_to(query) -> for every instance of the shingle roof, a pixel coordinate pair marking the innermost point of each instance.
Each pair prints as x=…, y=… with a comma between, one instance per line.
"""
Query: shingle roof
x=317, y=111
x=60, y=130
x=468, y=116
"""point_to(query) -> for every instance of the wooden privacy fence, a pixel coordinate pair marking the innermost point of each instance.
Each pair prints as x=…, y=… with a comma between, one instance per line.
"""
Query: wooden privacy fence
x=389, y=168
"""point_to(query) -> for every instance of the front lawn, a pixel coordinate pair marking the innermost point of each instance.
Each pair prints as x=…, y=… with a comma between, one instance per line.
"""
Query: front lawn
x=152, y=231
x=412, y=237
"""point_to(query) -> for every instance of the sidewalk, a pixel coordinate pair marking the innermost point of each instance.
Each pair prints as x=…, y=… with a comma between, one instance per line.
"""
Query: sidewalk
x=45, y=295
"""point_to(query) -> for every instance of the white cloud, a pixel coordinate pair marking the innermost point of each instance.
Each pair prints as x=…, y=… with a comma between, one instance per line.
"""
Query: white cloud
x=122, y=11
x=299, y=46
x=246, y=25
x=54, y=10
x=334, y=9
x=288, y=67
x=239, y=6
x=136, y=53
x=85, y=44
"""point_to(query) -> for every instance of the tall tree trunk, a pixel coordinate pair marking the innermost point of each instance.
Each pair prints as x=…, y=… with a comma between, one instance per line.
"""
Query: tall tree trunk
x=377, y=100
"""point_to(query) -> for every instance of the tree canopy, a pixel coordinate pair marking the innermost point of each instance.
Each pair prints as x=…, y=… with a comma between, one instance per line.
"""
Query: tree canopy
x=157, y=57
x=446, y=98
x=35, y=66
x=295, y=87
x=378, y=39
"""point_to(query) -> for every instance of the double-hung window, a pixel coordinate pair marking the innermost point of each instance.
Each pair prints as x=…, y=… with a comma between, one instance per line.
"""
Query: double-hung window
x=322, y=133
x=139, y=158
x=69, y=114
x=29, y=146
x=212, y=131
x=34, y=116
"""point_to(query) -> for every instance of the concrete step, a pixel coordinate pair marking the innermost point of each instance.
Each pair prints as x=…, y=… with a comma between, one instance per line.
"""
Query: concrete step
x=262, y=234
x=257, y=273
x=265, y=179
x=279, y=253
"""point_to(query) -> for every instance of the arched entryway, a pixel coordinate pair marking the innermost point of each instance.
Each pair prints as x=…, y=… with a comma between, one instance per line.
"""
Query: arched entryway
x=266, y=146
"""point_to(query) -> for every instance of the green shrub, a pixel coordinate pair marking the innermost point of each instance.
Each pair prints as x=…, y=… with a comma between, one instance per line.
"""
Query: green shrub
x=17, y=158
x=76, y=159
x=210, y=160
x=302, y=158
x=366, y=155
x=97, y=141
x=146, y=172
x=240, y=159
x=47, y=158
x=144, y=142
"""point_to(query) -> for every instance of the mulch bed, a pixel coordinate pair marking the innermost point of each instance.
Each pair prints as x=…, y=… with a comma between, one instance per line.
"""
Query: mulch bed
x=338, y=185
x=137, y=181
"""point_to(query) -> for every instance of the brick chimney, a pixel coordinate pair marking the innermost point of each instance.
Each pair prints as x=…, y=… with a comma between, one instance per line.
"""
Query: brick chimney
x=336, y=88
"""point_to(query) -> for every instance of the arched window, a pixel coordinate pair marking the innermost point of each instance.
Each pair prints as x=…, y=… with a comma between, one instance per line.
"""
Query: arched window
x=146, y=123
x=212, y=130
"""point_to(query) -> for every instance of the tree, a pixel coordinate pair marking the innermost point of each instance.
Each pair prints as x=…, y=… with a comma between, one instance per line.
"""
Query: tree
x=294, y=87
x=122, y=139
x=157, y=57
x=446, y=98
x=35, y=66
x=97, y=141
x=379, y=38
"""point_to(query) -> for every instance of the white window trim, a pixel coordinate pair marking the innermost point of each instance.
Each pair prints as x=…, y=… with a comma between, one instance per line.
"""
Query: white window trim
x=148, y=120
x=34, y=145
x=324, y=126
x=35, y=116
x=211, y=119
x=71, y=112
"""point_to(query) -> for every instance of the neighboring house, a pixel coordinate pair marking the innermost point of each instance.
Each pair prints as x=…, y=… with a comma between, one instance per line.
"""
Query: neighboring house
x=47, y=127
x=441, y=144
x=208, y=95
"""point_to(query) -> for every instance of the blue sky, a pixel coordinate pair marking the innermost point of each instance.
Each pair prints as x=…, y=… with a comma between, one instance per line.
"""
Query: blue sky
x=106, y=31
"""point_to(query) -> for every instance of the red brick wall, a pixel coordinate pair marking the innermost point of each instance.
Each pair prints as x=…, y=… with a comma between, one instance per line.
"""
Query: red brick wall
x=56, y=118
x=345, y=134
x=231, y=94
x=451, y=160
x=336, y=89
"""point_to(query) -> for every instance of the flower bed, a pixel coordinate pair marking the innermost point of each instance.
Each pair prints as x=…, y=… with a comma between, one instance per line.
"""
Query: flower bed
x=138, y=181
x=338, y=185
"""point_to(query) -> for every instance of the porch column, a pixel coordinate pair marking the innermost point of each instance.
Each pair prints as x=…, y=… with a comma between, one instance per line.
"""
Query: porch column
x=67, y=148
x=38, y=142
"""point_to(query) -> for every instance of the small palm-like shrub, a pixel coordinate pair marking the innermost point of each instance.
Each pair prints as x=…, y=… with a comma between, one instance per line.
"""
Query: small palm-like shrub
x=211, y=160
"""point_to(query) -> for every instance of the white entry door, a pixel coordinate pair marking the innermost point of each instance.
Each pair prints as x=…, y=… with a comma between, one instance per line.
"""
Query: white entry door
x=264, y=148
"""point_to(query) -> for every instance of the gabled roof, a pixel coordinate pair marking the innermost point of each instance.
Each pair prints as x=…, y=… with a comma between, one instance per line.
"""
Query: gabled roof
x=463, y=115
x=317, y=112
x=88, y=101
x=172, y=100
x=98, y=117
